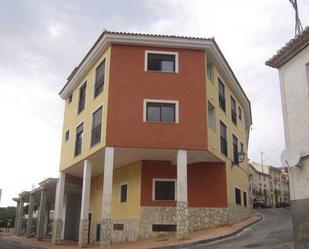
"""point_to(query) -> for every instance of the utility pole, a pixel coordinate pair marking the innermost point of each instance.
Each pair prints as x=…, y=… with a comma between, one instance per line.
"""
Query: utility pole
x=262, y=162
x=298, y=26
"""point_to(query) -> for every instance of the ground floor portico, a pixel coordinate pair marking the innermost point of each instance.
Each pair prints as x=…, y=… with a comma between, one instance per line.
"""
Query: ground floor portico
x=128, y=194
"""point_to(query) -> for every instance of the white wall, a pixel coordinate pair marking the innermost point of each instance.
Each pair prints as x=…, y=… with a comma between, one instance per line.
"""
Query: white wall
x=295, y=103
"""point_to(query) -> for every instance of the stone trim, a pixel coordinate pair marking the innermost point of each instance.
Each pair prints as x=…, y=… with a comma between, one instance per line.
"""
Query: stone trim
x=182, y=214
x=83, y=233
x=106, y=233
x=57, y=231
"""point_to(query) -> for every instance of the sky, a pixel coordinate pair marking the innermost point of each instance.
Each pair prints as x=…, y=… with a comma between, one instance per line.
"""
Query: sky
x=41, y=41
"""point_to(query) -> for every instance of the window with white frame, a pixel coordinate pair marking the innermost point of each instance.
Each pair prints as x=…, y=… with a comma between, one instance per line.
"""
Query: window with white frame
x=210, y=71
x=165, y=111
x=161, y=61
x=124, y=192
x=96, y=126
x=164, y=189
x=99, y=79
x=211, y=116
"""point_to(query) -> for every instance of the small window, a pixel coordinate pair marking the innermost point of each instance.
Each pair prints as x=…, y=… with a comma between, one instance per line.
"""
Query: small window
x=118, y=227
x=223, y=138
x=124, y=193
x=245, y=199
x=233, y=111
x=235, y=150
x=242, y=148
x=82, y=98
x=163, y=62
x=160, y=112
x=79, y=139
x=99, y=79
x=210, y=72
x=163, y=228
x=70, y=98
x=238, y=196
x=164, y=190
x=240, y=113
x=211, y=116
x=96, y=126
x=67, y=135
x=221, y=95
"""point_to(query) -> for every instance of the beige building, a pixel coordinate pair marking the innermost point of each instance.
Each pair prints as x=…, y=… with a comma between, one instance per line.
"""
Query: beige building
x=268, y=186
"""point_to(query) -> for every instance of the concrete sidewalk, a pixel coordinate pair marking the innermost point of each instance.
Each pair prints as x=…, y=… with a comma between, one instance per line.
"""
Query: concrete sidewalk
x=166, y=242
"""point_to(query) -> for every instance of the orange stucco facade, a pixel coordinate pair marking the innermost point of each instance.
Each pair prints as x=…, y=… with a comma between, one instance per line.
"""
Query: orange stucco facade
x=206, y=183
x=130, y=85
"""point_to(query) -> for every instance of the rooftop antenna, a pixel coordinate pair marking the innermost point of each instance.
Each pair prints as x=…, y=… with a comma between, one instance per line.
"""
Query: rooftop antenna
x=298, y=26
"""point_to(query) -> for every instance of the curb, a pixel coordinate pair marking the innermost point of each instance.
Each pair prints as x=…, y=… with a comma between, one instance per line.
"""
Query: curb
x=201, y=242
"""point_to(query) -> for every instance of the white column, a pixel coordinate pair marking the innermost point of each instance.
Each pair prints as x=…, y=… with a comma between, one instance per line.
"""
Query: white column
x=106, y=224
x=108, y=182
x=83, y=225
x=20, y=216
x=182, y=212
x=182, y=193
x=58, y=222
x=30, y=216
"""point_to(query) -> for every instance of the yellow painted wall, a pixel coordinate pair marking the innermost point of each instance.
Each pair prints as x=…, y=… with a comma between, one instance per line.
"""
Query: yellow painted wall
x=72, y=119
x=130, y=174
x=235, y=176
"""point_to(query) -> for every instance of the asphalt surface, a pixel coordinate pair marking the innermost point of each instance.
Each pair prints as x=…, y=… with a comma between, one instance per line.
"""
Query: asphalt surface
x=275, y=231
x=8, y=244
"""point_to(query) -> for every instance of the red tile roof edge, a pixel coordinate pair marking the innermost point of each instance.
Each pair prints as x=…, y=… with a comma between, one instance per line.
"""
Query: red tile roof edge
x=291, y=48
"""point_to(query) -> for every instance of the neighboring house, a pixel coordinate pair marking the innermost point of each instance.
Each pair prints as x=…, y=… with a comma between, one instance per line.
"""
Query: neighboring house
x=293, y=63
x=260, y=187
x=153, y=127
x=269, y=186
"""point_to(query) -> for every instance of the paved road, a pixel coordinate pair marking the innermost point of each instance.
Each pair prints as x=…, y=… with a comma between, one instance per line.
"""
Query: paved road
x=274, y=232
x=7, y=244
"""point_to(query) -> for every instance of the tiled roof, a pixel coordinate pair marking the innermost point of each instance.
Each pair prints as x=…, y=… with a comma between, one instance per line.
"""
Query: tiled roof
x=131, y=34
x=293, y=47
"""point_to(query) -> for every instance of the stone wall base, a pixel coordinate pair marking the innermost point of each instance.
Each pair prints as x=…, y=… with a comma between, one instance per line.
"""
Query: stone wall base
x=57, y=231
x=198, y=219
x=300, y=223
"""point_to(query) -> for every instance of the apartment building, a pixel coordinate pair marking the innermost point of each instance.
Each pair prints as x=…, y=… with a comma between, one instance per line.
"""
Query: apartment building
x=260, y=185
x=269, y=186
x=292, y=62
x=155, y=135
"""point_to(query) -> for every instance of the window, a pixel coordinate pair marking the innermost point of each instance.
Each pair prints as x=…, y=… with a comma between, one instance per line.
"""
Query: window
x=163, y=228
x=242, y=147
x=99, y=79
x=79, y=139
x=223, y=136
x=96, y=126
x=82, y=97
x=245, y=199
x=210, y=72
x=238, y=196
x=118, y=227
x=239, y=113
x=161, y=61
x=123, y=192
x=235, y=150
x=70, y=98
x=221, y=95
x=67, y=135
x=161, y=111
x=211, y=116
x=233, y=111
x=164, y=190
